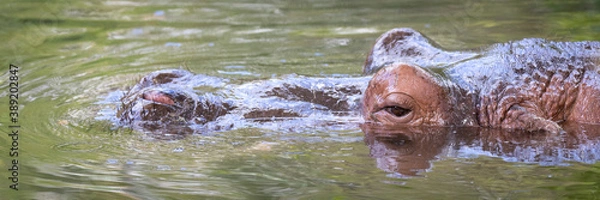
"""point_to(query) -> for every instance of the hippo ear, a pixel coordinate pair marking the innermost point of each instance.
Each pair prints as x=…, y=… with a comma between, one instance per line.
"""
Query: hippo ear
x=395, y=45
x=409, y=46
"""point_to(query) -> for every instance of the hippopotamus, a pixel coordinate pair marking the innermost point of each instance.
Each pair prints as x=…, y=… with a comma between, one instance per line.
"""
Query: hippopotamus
x=531, y=84
x=409, y=81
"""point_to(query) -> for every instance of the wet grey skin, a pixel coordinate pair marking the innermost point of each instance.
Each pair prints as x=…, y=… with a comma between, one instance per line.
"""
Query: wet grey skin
x=178, y=102
x=531, y=84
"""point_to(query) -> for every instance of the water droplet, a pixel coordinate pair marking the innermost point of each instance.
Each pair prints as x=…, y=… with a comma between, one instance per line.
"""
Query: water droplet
x=235, y=67
x=159, y=13
x=137, y=31
x=172, y=44
x=163, y=167
x=178, y=149
x=111, y=161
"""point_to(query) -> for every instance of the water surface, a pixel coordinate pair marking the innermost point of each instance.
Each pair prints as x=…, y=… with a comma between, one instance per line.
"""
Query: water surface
x=73, y=54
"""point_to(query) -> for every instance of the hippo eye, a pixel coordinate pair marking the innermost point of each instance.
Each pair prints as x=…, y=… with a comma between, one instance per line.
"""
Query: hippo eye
x=397, y=111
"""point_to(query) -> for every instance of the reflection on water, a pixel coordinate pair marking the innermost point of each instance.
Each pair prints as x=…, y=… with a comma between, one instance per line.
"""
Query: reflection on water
x=410, y=151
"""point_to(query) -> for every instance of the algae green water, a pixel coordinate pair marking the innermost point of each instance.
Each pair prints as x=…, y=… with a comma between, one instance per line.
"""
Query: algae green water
x=72, y=54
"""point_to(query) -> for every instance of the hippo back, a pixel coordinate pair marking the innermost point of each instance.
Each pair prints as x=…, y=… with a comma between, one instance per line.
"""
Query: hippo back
x=544, y=76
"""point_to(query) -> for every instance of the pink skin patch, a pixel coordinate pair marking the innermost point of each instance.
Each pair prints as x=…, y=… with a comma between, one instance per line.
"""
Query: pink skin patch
x=158, y=97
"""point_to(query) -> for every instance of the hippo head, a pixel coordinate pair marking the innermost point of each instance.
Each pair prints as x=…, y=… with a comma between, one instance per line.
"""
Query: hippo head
x=406, y=95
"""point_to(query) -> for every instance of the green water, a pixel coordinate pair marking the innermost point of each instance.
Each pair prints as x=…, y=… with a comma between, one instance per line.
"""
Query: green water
x=71, y=54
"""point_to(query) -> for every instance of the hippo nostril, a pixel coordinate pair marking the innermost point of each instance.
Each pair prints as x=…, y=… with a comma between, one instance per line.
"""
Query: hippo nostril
x=397, y=111
x=159, y=97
